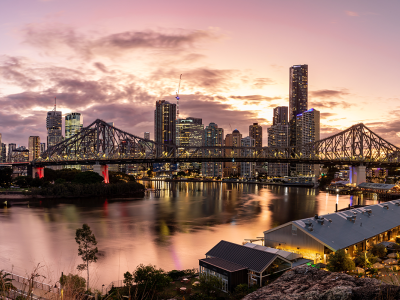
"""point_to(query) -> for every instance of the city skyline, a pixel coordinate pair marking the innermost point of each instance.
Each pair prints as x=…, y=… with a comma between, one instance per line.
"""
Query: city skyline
x=89, y=61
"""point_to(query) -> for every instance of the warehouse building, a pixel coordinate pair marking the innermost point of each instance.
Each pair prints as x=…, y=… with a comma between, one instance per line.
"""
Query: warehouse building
x=356, y=229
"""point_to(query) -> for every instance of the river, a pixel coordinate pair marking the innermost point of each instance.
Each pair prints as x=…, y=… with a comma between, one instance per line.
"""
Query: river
x=171, y=228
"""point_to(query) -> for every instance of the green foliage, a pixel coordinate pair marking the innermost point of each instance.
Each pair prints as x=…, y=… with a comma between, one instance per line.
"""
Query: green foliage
x=150, y=280
x=364, y=259
x=22, y=181
x=176, y=274
x=378, y=250
x=5, y=177
x=87, y=249
x=209, y=284
x=5, y=282
x=60, y=181
x=116, y=177
x=73, y=284
x=181, y=173
x=36, y=182
x=242, y=290
x=128, y=279
x=397, y=239
x=88, y=177
x=67, y=174
x=339, y=261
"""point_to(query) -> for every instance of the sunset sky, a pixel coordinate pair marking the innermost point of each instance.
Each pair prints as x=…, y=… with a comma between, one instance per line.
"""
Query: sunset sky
x=113, y=59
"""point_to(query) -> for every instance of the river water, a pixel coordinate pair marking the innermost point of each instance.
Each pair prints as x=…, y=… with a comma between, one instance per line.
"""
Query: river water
x=171, y=227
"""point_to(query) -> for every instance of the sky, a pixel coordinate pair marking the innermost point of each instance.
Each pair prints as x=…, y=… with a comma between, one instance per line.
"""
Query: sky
x=113, y=59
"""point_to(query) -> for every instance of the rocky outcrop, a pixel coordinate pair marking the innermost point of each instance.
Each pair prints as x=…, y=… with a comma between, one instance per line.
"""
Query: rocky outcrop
x=307, y=283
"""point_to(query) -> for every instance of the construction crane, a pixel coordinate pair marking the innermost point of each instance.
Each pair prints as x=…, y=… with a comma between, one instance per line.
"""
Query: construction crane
x=177, y=98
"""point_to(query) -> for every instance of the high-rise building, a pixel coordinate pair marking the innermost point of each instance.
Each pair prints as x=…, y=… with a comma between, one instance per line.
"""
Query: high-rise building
x=34, y=147
x=247, y=169
x=233, y=139
x=42, y=148
x=3, y=157
x=11, y=148
x=298, y=97
x=54, y=127
x=280, y=115
x=1, y=150
x=308, y=131
x=278, y=137
x=73, y=124
x=165, y=123
x=147, y=135
x=255, y=132
x=190, y=132
x=213, y=136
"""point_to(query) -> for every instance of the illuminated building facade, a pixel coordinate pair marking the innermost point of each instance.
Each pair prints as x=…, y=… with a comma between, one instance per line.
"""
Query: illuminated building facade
x=255, y=132
x=73, y=124
x=3, y=157
x=34, y=147
x=213, y=136
x=233, y=139
x=298, y=97
x=280, y=115
x=247, y=169
x=308, y=131
x=11, y=148
x=42, y=147
x=190, y=132
x=165, y=123
x=54, y=127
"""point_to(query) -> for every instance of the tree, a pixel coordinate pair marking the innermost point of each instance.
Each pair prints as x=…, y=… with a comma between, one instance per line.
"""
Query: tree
x=339, y=261
x=116, y=177
x=364, y=259
x=209, y=283
x=378, y=250
x=150, y=279
x=87, y=248
x=73, y=285
x=23, y=181
x=6, y=177
x=88, y=177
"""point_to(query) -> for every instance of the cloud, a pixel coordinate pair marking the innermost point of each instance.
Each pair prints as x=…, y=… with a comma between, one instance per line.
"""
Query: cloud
x=327, y=115
x=101, y=67
x=56, y=38
x=351, y=13
x=329, y=93
x=259, y=83
x=255, y=98
x=331, y=104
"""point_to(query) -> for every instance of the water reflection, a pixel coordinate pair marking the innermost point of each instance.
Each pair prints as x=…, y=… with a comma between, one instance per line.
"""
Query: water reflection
x=172, y=226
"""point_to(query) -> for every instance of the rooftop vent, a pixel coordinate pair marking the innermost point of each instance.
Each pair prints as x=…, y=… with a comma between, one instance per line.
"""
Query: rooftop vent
x=321, y=221
x=330, y=221
x=316, y=216
x=308, y=222
x=369, y=211
x=386, y=206
x=310, y=228
x=351, y=218
x=397, y=203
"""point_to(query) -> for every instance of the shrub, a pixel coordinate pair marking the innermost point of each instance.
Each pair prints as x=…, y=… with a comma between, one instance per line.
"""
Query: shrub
x=339, y=261
x=378, y=250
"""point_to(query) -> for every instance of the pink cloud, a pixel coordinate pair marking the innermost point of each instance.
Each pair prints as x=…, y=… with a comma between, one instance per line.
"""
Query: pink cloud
x=351, y=13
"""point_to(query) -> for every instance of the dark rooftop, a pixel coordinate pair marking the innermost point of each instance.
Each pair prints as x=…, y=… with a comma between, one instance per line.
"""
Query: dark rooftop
x=223, y=264
x=253, y=259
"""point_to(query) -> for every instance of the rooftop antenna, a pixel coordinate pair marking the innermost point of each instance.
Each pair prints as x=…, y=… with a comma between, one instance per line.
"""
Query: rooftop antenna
x=55, y=104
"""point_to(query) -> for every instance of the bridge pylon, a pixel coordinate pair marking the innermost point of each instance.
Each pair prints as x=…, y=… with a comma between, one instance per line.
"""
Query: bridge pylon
x=102, y=170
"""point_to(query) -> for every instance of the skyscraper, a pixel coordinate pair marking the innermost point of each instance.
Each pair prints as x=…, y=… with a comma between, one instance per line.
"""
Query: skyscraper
x=11, y=148
x=233, y=139
x=213, y=136
x=280, y=115
x=42, y=147
x=247, y=169
x=73, y=124
x=278, y=137
x=3, y=157
x=298, y=96
x=1, y=150
x=165, y=123
x=54, y=127
x=190, y=132
x=147, y=135
x=255, y=132
x=307, y=131
x=34, y=147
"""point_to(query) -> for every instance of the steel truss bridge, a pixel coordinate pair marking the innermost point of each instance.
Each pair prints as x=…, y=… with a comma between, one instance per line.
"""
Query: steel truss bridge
x=101, y=143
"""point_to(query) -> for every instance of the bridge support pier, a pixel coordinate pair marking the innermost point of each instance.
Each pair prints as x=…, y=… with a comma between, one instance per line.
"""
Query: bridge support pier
x=37, y=172
x=102, y=170
x=358, y=174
